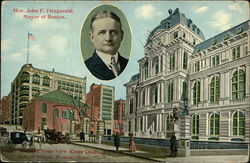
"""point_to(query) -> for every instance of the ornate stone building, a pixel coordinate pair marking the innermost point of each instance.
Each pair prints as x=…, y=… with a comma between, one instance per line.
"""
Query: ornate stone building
x=181, y=66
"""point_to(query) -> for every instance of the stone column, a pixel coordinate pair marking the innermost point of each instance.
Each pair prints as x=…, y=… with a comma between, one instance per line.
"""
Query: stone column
x=202, y=90
x=177, y=89
x=160, y=122
x=164, y=62
x=206, y=85
x=150, y=68
x=158, y=92
x=157, y=122
x=162, y=93
x=226, y=87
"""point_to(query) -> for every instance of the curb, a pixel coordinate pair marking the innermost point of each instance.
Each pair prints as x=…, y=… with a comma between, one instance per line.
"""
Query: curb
x=125, y=153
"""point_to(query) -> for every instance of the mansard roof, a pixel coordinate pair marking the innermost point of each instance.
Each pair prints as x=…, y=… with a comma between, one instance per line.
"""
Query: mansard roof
x=222, y=36
x=175, y=18
x=59, y=96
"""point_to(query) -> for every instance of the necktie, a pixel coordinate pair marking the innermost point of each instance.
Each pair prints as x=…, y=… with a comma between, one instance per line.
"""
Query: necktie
x=114, y=67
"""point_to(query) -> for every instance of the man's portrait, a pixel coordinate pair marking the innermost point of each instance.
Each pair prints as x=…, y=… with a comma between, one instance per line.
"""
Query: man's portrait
x=106, y=35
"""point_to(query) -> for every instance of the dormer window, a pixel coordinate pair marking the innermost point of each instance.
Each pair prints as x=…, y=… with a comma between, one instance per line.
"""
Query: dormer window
x=168, y=25
x=239, y=30
x=175, y=34
x=214, y=42
x=226, y=37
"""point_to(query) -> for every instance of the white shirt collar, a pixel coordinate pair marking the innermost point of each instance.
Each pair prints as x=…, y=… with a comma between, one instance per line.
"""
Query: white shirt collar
x=106, y=58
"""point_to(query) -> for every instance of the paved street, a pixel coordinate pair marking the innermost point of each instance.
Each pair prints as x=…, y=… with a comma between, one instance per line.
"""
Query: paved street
x=94, y=152
x=63, y=153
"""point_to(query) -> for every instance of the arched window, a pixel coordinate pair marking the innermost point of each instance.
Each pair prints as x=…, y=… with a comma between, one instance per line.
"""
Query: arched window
x=238, y=85
x=25, y=77
x=196, y=93
x=44, y=108
x=214, y=124
x=172, y=61
x=145, y=67
x=185, y=60
x=36, y=79
x=170, y=123
x=238, y=123
x=195, y=124
x=214, y=89
x=170, y=92
x=46, y=81
x=56, y=113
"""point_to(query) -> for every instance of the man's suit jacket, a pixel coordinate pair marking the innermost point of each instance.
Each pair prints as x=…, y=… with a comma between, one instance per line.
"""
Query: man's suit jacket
x=98, y=68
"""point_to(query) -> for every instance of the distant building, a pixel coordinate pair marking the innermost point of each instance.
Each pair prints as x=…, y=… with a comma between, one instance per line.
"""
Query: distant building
x=119, y=107
x=101, y=100
x=55, y=110
x=180, y=66
x=31, y=82
x=5, y=116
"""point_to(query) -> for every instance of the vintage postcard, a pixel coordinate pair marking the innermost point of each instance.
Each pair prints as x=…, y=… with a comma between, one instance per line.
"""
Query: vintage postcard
x=125, y=81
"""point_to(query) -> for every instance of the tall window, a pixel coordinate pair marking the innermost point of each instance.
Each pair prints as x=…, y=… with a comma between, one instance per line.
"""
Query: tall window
x=170, y=92
x=131, y=106
x=156, y=65
x=44, y=108
x=172, y=61
x=196, y=93
x=145, y=67
x=143, y=98
x=46, y=81
x=56, y=113
x=185, y=60
x=215, y=60
x=195, y=124
x=236, y=52
x=214, y=89
x=36, y=79
x=238, y=85
x=214, y=124
x=197, y=66
x=185, y=90
x=154, y=95
x=238, y=123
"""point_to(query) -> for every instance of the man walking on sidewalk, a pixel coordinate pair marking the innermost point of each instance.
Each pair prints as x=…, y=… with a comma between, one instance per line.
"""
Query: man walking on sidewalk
x=117, y=141
x=173, y=145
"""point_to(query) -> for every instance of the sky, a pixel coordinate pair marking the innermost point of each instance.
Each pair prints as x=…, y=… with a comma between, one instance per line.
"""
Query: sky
x=57, y=41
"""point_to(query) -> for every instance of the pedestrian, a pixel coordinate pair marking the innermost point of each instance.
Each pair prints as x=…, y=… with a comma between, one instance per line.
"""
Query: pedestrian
x=117, y=141
x=82, y=136
x=132, y=146
x=173, y=145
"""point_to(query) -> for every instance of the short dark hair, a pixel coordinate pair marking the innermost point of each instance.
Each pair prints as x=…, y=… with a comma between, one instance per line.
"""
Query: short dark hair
x=105, y=14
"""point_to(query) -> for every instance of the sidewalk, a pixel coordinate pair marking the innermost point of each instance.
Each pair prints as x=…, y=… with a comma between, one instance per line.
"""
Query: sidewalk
x=159, y=154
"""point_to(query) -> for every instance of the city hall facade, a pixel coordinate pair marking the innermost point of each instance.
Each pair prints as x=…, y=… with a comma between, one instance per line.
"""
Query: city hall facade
x=211, y=76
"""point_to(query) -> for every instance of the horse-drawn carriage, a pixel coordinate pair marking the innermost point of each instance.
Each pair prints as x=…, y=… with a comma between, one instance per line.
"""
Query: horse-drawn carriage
x=51, y=135
x=19, y=138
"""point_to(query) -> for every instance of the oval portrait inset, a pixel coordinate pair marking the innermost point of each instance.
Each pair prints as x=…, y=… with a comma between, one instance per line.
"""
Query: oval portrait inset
x=106, y=42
